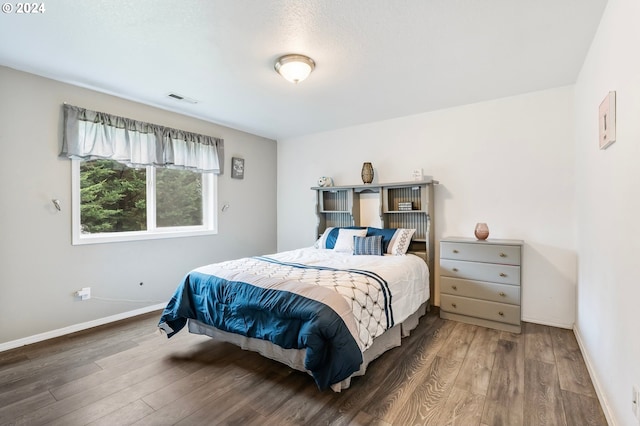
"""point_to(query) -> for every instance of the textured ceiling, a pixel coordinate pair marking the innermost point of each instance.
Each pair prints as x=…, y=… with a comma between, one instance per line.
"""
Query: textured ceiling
x=376, y=59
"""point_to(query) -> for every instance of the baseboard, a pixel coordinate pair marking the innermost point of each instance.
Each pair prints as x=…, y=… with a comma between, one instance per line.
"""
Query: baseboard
x=77, y=327
x=568, y=326
x=594, y=379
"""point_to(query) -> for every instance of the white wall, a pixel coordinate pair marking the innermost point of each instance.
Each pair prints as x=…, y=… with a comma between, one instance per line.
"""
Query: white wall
x=40, y=269
x=507, y=162
x=608, y=202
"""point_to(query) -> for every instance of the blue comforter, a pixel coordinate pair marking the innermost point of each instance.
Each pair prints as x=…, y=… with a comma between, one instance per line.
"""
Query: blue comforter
x=261, y=311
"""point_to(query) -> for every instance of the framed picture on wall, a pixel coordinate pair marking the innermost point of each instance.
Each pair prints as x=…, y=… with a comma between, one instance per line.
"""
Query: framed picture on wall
x=607, y=120
x=237, y=168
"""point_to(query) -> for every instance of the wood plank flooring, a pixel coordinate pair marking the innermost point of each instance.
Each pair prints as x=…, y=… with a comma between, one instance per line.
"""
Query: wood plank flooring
x=445, y=373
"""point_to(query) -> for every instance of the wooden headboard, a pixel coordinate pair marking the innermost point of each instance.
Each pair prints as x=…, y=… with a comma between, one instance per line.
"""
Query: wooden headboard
x=401, y=205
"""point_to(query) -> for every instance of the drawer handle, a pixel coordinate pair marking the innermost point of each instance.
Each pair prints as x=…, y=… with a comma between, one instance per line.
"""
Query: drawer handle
x=501, y=313
x=455, y=287
x=503, y=275
x=502, y=293
x=454, y=305
x=503, y=255
x=455, y=269
x=455, y=251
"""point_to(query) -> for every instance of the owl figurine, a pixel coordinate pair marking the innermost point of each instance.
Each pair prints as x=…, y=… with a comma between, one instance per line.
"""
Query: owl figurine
x=325, y=181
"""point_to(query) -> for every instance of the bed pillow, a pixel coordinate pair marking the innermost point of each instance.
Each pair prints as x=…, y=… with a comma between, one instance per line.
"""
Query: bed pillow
x=345, y=239
x=330, y=236
x=386, y=233
x=322, y=241
x=399, y=243
x=369, y=246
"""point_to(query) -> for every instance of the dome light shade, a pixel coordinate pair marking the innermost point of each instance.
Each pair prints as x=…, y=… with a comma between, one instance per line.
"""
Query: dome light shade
x=294, y=68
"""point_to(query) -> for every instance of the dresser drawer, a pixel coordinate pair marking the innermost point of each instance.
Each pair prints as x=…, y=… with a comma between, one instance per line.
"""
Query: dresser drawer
x=504, y=293
x=503, y=274
x=478, y=252
x=480, y=309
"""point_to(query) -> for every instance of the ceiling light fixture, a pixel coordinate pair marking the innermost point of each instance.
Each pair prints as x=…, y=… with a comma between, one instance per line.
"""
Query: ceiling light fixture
x=294, y=68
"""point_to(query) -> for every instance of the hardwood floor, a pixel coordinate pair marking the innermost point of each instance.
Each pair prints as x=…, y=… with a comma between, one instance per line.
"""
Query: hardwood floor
x=445, y=373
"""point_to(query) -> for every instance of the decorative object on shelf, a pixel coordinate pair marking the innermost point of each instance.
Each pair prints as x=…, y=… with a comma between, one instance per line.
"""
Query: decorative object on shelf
x=607, y=125
x=325, y=181
x=367, y=173
x=482, y=231
x=405, y=207
x=237, y=168
x=295, y=67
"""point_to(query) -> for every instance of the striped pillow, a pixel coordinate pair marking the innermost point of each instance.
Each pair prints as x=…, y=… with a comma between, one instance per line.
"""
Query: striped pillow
x=370, y=246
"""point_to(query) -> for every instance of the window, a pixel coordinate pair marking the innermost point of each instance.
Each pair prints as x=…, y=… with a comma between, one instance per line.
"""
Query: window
x=133, y=180
x=113, y=202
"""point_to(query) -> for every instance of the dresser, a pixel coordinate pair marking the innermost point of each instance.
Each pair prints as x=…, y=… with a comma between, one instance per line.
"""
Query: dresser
x=480, y=282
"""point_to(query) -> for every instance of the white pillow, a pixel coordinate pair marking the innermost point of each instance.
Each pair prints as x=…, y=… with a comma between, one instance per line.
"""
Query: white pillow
x=399, y=243
x=345, y=239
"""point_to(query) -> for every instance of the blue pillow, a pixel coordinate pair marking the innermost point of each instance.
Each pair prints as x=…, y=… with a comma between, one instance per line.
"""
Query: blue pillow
x=370, y=246
x=387, y=234
x=330, y=243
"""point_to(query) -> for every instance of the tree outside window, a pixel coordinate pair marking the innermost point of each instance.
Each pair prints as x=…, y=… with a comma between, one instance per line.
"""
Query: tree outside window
x=115, y=200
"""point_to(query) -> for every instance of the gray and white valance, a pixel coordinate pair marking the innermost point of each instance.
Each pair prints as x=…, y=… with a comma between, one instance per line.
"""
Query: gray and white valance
x=90, y=135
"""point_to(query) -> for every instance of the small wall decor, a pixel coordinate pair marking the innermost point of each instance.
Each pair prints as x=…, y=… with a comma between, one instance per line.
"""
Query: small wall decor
x=325, y=181
x=482, y=231
x=607, y=120
x=237, y=168
x=367, y=173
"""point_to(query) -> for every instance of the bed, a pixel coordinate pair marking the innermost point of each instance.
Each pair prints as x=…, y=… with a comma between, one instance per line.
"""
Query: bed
x=328, y=310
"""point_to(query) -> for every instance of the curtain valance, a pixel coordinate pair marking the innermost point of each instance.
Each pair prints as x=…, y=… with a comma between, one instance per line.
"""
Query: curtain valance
x=90, y=135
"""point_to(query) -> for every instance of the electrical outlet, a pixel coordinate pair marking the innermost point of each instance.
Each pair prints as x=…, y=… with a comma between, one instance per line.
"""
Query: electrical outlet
x=84, y=293
x=635, y=394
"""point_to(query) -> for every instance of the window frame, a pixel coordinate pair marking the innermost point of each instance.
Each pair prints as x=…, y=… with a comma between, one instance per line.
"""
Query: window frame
x=209, y=213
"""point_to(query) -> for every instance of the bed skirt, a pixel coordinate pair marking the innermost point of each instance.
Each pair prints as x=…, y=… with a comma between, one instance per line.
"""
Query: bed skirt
x=294, y=358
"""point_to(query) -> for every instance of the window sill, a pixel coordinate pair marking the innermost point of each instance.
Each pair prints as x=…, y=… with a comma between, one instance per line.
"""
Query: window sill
x=83, y=239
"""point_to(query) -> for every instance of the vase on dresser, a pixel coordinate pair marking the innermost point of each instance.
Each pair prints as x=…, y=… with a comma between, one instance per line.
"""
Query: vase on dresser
x=481, y=231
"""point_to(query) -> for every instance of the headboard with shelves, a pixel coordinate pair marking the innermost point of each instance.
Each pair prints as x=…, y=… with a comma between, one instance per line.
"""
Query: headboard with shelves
x=401, y=205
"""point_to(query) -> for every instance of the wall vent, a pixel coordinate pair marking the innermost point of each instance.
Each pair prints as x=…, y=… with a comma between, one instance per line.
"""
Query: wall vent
x=182, y=98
